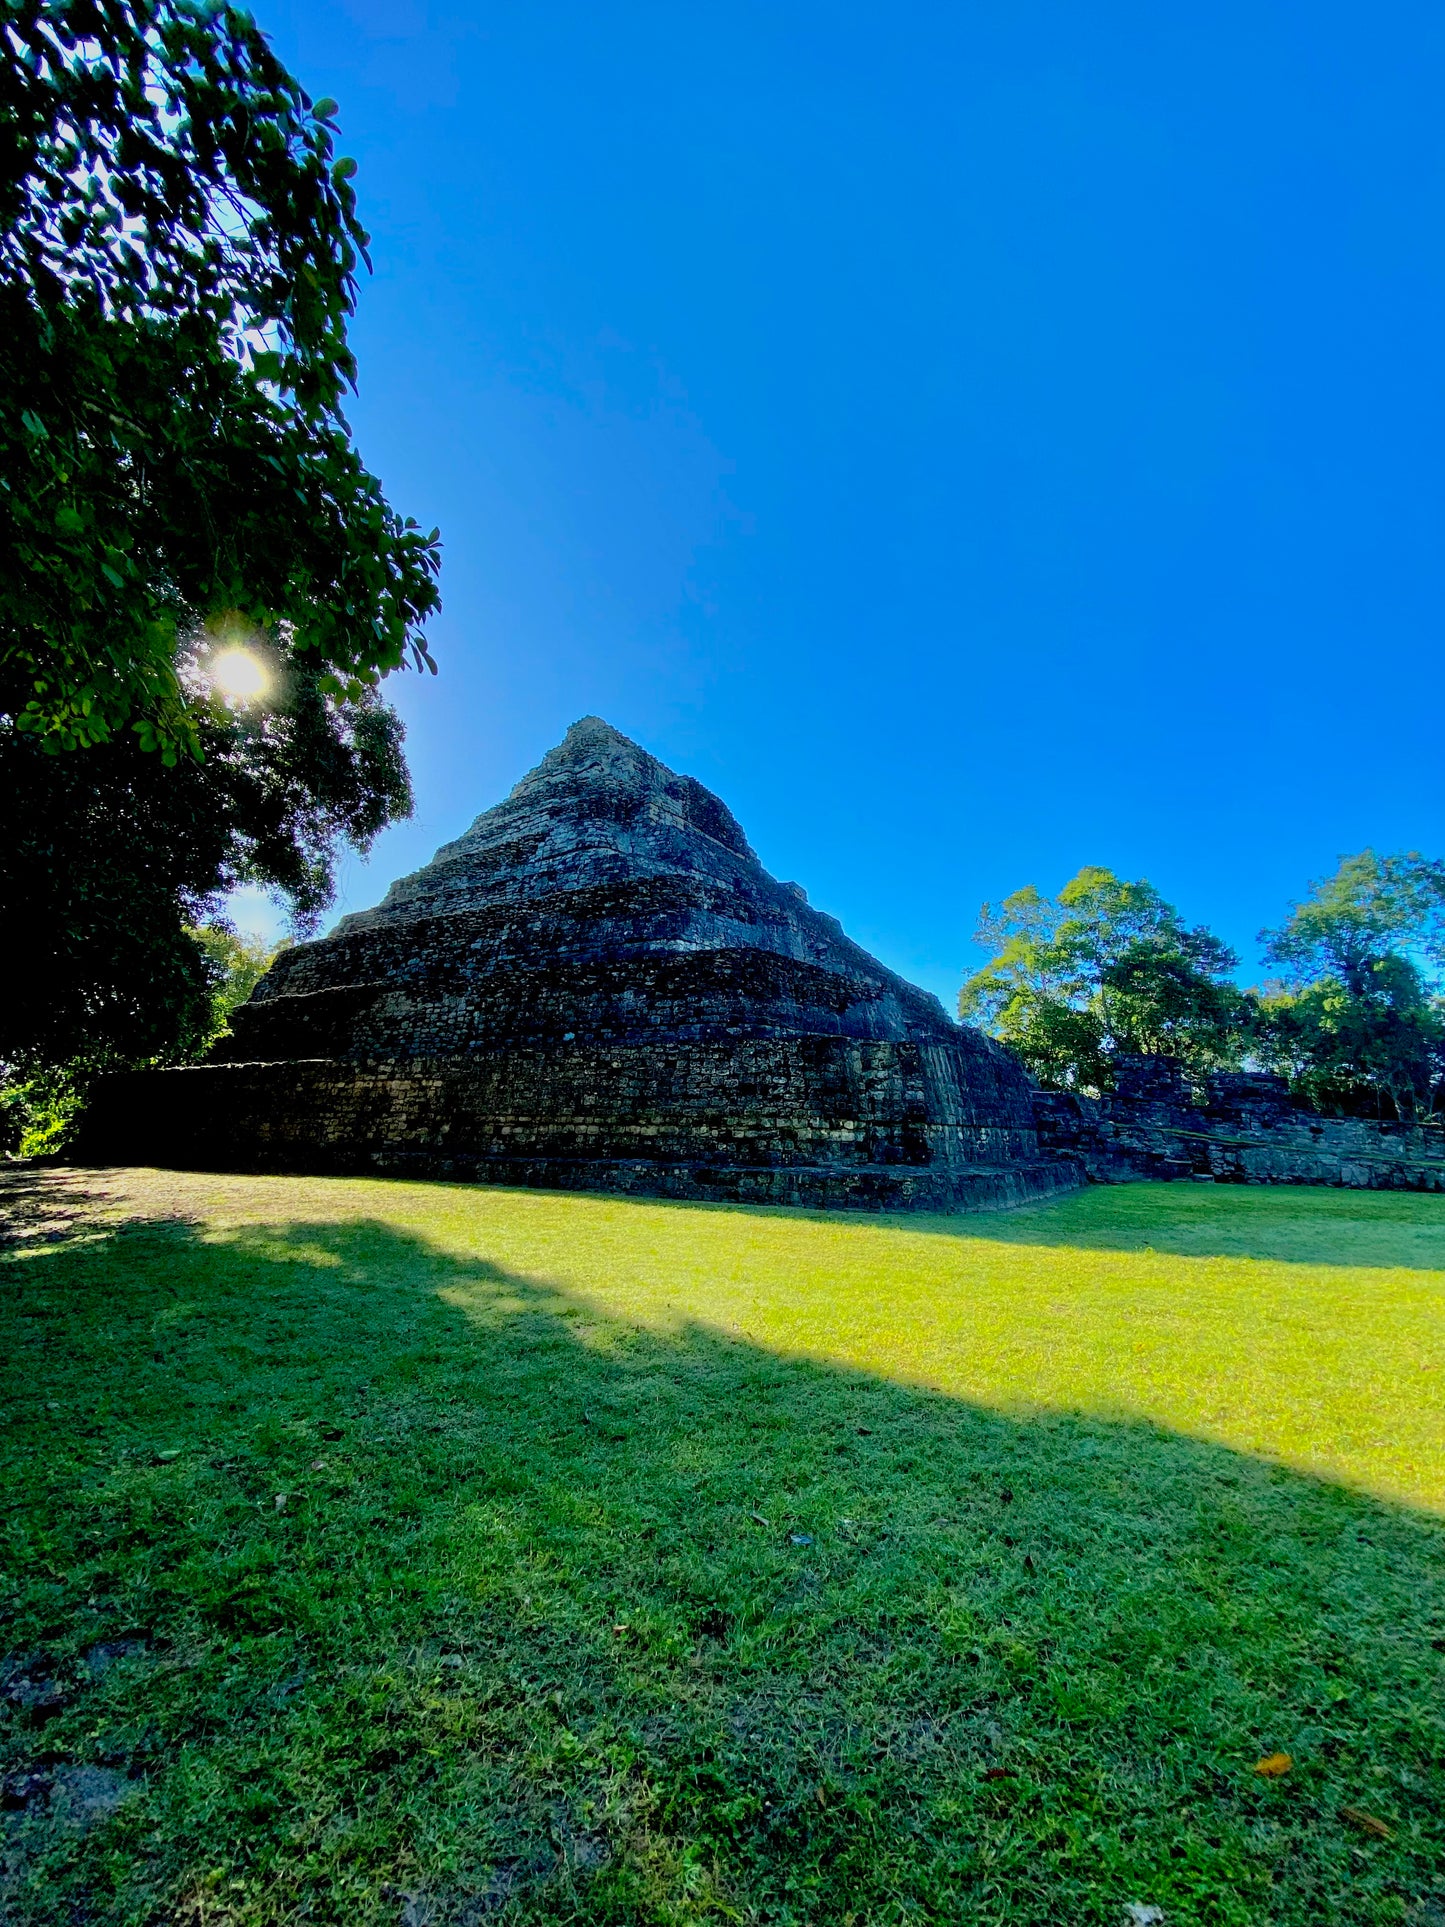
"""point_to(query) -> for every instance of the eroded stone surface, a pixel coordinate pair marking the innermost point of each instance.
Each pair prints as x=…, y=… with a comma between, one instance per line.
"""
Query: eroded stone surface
x=606, y=900
x=599, y=985
x=1241, y=1128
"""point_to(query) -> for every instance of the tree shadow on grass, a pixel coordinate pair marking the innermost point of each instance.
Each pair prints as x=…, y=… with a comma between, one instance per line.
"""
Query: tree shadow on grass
x=391, y=1586
x=1287, y=1224
x=1276, y=1223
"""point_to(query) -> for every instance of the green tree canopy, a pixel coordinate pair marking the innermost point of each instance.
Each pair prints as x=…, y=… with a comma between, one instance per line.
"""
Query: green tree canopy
x=1107, y=966
x=179, y=250
x=178, y=257
x=1358, y=1021
x=237, y=964
x=110, y=859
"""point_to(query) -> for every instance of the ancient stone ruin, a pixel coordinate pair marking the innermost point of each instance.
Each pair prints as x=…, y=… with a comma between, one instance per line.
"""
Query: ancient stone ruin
x=1239, y=1127
x=600, y=987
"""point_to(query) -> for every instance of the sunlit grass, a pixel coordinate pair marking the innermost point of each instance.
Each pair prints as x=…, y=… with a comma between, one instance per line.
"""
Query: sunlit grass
x=1324, y=1366
x=642, y=1562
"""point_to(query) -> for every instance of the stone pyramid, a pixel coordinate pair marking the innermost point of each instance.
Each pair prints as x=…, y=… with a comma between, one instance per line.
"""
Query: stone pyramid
x=599, y=986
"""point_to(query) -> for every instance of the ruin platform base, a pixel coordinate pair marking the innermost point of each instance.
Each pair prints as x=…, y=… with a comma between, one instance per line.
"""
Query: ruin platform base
x=430, y=1121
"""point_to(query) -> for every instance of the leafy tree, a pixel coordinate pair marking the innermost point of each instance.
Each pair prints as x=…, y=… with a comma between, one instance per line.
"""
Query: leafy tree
x=178, y=257
x=1358, y=1022
x=179, y=249
x=237, y=964
x=111, y=859
x=40, y=1103
x=38, y=1109
x=1106, y=967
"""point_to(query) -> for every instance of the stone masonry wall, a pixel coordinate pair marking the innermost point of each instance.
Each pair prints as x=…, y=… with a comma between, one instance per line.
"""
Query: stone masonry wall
x=814, y=1121
x=1245, y=1131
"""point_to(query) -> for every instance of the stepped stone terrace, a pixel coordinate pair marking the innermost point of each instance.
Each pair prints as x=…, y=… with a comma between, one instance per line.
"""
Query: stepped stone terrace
x=599, y=987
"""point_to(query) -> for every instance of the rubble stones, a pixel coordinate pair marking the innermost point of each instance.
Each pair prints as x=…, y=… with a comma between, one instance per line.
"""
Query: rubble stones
x=1240, y=1128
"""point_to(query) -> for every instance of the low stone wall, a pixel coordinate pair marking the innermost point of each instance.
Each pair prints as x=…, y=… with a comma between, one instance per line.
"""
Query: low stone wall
x=1245, y=1131
x=819, y=1121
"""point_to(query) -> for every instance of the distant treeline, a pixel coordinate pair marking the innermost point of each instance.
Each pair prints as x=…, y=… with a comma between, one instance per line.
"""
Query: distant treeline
x=1355, y=1017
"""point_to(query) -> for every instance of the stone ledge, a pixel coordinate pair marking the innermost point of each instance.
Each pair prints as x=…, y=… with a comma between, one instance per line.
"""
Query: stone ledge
x=439, y=1120
x=875, y=1187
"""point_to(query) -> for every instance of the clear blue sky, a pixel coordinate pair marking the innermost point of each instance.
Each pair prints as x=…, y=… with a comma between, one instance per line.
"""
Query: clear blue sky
x=976, y=439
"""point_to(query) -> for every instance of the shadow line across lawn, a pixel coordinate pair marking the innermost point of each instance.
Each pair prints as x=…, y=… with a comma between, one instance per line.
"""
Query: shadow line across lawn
x=1280, y=1224
x=390, y=1583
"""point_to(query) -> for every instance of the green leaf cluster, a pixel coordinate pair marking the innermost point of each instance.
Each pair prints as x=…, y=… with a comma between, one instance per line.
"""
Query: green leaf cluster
x=1106, y=968
x=113, y=862
x=1357, y=1021
x=179, y=248
x=41, y=1103
x=237, y=963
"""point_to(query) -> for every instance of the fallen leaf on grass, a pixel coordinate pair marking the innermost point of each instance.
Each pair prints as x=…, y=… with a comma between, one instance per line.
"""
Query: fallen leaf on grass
x=1367, y=1822
x=1273, y=1765
x=1138, y=1913
x=999, y=1773
x=799, y=1539
x=758, y=1519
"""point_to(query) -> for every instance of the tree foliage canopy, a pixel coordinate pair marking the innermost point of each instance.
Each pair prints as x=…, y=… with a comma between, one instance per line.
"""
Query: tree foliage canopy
x=1358, y=1020
x=237, y=964
x=1105, y=967
x=178, y=256
x=179, y=250
x=110, y=859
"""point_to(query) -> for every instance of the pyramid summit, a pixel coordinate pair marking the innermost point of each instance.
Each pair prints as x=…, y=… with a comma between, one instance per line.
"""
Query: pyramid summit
x=599, y=986
x=607, y=898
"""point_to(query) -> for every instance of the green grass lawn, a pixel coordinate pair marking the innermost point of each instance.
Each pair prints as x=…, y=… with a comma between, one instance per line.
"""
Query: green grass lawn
x=426, y=1555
